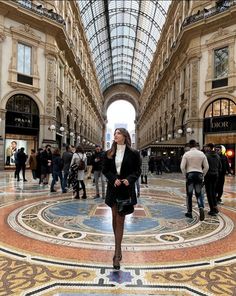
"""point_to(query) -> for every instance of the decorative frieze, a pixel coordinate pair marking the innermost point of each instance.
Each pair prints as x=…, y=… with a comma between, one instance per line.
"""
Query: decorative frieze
x=194, y=88
x=2, y=37
x=51, y=85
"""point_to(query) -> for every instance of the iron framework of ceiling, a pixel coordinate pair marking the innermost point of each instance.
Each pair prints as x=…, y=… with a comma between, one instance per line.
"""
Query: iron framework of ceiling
x=123, y=35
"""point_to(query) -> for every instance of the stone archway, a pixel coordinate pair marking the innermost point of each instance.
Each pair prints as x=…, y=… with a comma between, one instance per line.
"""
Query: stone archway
x=121, y=92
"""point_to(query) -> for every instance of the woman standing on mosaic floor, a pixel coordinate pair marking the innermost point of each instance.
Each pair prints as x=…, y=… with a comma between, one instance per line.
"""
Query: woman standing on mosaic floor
x=77, y=157
x=122, y=168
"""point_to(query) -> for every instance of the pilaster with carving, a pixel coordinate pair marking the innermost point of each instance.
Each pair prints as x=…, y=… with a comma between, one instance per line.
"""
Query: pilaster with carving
x=2, y=38
x=194, y=88
x=50, y=98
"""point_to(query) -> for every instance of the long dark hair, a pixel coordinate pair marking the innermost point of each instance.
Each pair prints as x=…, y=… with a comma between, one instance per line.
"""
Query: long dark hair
x=79, y=149
x=126, y=134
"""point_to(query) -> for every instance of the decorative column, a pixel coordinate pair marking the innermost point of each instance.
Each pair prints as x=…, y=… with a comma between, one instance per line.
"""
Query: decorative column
x=2, y=112
x=194, y=100
x=49, y=136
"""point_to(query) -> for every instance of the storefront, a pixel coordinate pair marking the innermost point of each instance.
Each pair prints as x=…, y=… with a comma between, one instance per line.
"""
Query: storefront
x=22, y=127
x=171, y=155
x=220, y=127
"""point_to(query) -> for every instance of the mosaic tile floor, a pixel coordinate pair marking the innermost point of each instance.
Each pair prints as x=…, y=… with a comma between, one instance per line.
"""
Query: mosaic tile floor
x=51, y=244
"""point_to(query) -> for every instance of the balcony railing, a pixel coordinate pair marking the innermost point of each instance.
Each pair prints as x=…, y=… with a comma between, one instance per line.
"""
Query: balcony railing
x=38, y=9
x=206, y=13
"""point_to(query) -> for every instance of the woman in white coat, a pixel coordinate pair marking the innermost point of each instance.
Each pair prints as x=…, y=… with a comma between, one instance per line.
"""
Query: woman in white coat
x=79, y=158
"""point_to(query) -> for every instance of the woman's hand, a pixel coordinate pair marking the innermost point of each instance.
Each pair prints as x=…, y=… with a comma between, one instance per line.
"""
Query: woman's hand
x=117, y=182
x=125, y=181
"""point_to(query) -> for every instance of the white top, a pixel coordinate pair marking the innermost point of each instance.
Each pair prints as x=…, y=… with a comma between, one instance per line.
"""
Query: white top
x=75, y=159
x=120, y=151
x=194, y=161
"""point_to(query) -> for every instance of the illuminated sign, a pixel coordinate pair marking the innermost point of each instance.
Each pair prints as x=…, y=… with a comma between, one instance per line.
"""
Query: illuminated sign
x=220, y=124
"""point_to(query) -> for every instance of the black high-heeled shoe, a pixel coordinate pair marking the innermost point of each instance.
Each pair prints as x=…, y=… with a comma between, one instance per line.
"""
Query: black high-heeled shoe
x=116, y=262
x=120, y=257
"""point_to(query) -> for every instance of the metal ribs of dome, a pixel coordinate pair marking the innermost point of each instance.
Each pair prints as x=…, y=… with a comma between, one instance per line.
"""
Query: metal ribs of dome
x=123, y=35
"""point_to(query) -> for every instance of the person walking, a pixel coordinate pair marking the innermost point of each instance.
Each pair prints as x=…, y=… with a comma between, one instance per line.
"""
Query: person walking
x=122, y=168
x=97, y=161
x=151, y=164
x=194, y=165
x=57, y=166
x=144, y=168
x=46, y=161
x=225, y=169
x=21, y=158
x=211, y=178
x=33, y=163
x=79, y=158
x=159, y=165
x=66, y=157
x=38, y=168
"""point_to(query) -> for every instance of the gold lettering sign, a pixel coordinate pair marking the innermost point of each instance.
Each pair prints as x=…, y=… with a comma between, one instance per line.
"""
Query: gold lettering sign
x=219, y=124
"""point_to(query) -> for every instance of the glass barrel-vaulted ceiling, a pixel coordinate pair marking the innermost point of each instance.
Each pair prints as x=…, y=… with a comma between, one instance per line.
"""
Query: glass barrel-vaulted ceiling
x=123, y=35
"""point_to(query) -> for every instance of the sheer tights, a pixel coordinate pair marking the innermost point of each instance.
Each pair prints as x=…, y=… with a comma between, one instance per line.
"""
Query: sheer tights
x=118, y=229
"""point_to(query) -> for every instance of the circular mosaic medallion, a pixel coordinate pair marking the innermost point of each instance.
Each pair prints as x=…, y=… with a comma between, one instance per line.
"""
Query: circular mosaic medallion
x=155, y=224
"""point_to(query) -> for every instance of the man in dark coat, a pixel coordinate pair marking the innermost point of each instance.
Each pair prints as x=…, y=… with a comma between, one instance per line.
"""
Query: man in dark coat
x=224, y=170
x=97, y=161
x=212, y=177
x=67, y=156
x=46, y=161
x=21, y=157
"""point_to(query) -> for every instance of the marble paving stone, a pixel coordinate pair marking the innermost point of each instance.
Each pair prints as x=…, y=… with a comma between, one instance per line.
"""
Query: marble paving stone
x=53, y=245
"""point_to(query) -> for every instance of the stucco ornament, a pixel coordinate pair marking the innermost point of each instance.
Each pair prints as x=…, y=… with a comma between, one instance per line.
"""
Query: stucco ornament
x=2, y=37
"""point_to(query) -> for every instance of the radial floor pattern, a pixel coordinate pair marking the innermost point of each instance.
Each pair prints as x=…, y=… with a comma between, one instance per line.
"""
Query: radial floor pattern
x=52, y=244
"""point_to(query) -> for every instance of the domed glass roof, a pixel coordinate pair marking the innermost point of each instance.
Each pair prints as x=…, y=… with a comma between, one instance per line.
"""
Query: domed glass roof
x=123, y=35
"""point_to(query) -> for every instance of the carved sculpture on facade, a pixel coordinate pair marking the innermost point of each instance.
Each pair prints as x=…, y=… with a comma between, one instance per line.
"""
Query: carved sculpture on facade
x=50, y=102
x=2, y=37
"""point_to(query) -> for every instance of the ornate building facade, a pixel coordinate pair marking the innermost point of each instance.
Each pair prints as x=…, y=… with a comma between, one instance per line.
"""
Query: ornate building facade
x=48, y=86
x=190, y=91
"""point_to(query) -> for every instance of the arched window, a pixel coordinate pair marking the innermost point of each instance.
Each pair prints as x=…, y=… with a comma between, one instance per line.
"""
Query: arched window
x=183, y=123
x=58, y=117
x=22, y=113
x=173, y=128
x=220, y=107
x=68, y=129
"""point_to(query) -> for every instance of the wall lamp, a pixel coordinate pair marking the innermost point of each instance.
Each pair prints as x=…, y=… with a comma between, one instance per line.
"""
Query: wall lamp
x=62, y=129
x=169, y=136
x=72, y=134
x=189, y=131
x=52, y=128
x=180, y=131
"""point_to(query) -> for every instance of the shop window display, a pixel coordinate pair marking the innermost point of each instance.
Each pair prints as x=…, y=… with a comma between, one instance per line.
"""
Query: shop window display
x=11, y=148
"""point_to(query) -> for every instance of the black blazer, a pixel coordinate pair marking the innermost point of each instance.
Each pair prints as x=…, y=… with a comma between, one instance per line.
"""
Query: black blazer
x=130, y=170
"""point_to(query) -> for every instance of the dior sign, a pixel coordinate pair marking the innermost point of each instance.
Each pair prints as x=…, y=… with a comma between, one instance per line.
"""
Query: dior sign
x=220, y=124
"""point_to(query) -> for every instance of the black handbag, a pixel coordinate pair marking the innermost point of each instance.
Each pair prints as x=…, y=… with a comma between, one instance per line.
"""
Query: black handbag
x=125, y=207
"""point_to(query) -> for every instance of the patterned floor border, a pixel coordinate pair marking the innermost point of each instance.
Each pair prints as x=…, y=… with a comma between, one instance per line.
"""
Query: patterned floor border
x=73, y=277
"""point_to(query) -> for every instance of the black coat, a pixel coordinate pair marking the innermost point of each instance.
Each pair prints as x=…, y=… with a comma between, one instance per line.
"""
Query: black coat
x=97, y=165
x=130, y=170
x=214, y=162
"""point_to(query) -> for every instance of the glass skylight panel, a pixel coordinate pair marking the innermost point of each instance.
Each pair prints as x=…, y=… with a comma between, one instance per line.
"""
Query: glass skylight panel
x=133, y=53
x=149, y=8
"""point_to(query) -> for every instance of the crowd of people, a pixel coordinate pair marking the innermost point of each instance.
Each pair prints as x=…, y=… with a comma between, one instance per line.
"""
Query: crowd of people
x=208, y=176
x=118, y=172
x=63, y=167
x=204, y=169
